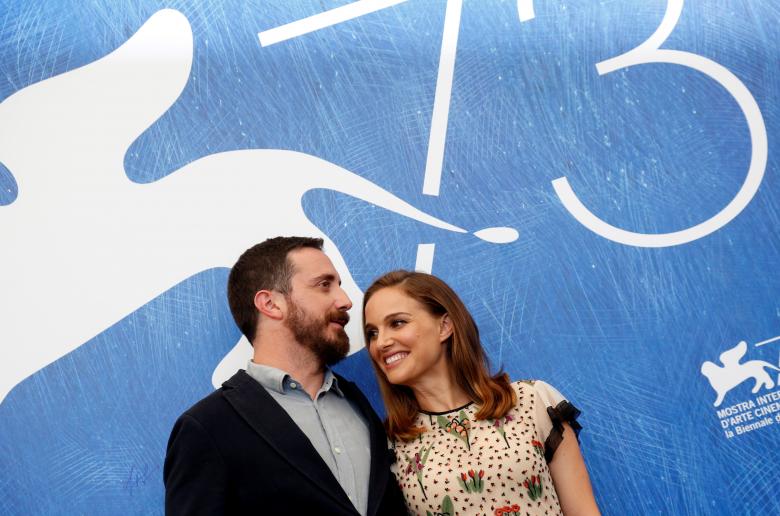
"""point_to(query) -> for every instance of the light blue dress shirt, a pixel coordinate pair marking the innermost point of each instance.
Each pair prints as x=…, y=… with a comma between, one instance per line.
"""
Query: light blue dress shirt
x=334, y=426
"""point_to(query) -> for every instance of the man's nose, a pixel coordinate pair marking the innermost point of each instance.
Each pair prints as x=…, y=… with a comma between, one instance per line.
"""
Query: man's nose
x=343, y=302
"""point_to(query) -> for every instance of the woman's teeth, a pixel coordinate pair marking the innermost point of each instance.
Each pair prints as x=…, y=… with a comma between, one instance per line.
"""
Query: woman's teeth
x=395, y=358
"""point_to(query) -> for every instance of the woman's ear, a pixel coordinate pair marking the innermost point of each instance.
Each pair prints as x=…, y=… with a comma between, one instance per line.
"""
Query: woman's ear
x=445, y=328
x=267, y=303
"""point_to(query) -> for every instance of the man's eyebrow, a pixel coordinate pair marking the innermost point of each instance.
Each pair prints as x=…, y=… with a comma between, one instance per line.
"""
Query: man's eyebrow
x=327, y=276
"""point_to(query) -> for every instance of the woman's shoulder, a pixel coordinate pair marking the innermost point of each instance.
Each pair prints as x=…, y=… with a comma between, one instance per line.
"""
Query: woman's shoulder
x=540, y=388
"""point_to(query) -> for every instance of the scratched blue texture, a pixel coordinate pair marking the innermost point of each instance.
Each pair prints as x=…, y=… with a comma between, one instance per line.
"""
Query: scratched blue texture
x=8, y=187
x=622, y=331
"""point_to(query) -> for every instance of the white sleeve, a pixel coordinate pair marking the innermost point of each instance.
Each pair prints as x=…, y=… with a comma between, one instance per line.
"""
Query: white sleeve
x=551, y=410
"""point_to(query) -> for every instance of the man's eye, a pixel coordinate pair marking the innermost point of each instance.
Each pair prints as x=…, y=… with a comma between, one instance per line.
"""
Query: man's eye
x=325, y=284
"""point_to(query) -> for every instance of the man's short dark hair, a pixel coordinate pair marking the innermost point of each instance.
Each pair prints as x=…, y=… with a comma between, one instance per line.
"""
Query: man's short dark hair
x=265, y=266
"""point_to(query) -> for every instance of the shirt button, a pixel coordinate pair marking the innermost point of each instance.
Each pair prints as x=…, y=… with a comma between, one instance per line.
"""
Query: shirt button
x=293, y=385
x=337, y=449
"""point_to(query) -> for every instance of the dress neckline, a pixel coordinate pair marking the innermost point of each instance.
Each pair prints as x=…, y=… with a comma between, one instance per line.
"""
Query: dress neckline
x=446, y=411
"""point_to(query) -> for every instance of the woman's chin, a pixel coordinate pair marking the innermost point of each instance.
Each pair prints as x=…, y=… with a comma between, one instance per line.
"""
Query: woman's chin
x=394, y=379
x=399, y=377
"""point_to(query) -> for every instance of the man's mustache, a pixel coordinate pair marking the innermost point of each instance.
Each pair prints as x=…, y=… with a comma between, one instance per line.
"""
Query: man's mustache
x=341, y=318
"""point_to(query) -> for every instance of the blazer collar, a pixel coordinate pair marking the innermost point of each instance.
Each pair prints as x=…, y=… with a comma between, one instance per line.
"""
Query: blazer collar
x=273, y=424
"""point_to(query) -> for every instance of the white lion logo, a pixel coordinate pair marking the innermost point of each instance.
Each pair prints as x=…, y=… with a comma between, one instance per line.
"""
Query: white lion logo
x=723, y=379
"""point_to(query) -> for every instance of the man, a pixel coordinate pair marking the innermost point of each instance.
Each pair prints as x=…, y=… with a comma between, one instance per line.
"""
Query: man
x=286, y=436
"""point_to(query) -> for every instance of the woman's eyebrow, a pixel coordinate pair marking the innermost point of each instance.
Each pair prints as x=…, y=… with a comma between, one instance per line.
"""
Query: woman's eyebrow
x=387, y=317
x=396, y=314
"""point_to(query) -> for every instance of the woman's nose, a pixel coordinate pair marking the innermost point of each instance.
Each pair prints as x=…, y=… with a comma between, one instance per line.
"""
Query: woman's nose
x=384, y=341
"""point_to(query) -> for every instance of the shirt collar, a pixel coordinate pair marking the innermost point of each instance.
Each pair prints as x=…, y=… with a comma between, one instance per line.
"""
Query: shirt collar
x=280, y=381
x=331, y=383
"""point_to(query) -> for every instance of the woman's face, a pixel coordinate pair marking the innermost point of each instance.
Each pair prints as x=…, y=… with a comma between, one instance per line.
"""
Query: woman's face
x=404, y=339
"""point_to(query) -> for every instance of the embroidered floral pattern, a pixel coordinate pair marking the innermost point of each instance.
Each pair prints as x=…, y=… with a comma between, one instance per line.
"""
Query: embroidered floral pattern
x=472, y=482
x=499, y=426
x=538, y=447
x=458, y=426
x=447, y=508
x=513, y=510
x=533, y=485
x=416, y=464
x=491, y=467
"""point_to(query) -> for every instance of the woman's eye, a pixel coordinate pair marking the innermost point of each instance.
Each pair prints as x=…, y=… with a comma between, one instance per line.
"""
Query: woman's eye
x=371, y=335
x=397, y=322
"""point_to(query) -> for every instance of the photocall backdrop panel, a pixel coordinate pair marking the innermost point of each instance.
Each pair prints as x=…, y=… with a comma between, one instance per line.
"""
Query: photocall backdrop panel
x=595, y=179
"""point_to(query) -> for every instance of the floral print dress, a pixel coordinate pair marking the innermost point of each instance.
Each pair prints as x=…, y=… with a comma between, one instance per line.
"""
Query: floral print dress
x=462, y=466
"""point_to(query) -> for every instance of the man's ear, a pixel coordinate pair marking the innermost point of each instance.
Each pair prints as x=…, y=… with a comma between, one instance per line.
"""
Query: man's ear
x=268, y=303
x=445, y=328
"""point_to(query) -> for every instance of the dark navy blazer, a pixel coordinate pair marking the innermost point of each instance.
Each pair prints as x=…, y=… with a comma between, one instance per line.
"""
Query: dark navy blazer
x=238, y=452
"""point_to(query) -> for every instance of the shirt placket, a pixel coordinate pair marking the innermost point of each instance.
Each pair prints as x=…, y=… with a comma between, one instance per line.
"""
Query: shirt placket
x=338, y=448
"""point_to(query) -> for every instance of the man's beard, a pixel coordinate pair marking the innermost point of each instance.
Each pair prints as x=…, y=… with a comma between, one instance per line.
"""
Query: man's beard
x=312, y=333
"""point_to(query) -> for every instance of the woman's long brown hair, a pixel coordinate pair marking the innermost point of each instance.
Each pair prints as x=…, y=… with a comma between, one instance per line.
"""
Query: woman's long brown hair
x=466, y=357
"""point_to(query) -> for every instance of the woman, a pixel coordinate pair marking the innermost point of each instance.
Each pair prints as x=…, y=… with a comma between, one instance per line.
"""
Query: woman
x=466, y=442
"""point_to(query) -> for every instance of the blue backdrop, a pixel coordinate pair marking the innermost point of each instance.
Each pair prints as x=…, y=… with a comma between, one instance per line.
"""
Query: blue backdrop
x=620, y=329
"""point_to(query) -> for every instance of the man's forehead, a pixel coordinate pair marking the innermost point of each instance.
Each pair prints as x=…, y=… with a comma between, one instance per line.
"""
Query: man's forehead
x=311, y=263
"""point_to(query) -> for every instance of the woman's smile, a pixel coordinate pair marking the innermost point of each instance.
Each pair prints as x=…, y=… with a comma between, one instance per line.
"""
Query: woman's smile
x=393, y=359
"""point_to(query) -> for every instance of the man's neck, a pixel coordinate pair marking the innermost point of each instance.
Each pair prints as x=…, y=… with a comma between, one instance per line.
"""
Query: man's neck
x=292, y=358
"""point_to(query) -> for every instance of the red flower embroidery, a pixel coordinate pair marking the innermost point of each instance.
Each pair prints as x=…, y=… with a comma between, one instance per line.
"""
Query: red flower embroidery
x=471, y=481
x=534, y=486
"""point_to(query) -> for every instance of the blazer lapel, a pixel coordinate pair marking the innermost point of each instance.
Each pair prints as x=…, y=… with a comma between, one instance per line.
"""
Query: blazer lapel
x=273, y=424
x=380, y=452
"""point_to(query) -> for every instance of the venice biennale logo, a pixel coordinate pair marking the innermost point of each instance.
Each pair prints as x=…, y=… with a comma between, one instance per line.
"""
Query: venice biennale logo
x=760, y=411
